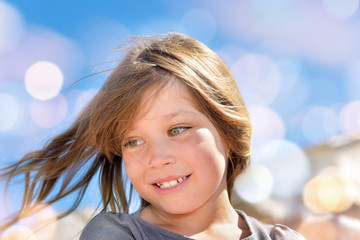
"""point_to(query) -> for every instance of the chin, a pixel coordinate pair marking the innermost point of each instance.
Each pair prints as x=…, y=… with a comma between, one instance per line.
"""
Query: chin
x=178, y=209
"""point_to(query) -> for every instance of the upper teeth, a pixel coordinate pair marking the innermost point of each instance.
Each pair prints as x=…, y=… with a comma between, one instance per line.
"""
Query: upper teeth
x=170, y=184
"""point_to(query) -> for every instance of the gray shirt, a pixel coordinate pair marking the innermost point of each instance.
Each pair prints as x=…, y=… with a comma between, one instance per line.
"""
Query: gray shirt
x=122, y=226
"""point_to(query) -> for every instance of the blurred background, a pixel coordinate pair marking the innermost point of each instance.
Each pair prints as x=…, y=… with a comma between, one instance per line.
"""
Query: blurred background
x=297, y=64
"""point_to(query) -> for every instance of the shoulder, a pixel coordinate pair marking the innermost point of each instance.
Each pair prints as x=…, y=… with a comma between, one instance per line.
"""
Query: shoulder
x=281, y=232
x=110, y=226
x=123, y=226
x=261, y=230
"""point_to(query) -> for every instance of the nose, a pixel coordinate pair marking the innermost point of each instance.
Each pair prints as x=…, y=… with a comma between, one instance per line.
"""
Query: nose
x=160, y=153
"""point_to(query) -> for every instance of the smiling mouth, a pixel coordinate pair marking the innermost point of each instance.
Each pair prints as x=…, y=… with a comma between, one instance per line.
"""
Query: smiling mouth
x=171, y=184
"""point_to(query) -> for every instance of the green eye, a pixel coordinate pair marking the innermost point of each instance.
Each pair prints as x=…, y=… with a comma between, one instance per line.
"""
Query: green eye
x=174, y=131
x=134, y=143
x=177, y=130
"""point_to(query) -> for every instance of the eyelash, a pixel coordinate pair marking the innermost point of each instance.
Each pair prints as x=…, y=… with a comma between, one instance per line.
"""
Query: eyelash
x=181, y=128
x=129, y=143
x=171, y=133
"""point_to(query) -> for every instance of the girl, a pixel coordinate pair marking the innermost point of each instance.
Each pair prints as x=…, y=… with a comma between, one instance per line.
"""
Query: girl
x=172, y=114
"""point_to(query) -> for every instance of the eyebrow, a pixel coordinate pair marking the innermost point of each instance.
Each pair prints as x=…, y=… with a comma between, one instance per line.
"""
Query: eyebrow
x=177, y=113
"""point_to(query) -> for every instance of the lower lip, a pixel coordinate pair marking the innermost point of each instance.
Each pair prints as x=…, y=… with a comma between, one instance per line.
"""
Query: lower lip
x=172, y=189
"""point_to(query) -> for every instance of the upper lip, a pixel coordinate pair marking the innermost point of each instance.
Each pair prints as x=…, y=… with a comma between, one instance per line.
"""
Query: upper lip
x=168, y=179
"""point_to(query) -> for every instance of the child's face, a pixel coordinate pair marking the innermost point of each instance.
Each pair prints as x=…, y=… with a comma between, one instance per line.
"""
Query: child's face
x=173, y=155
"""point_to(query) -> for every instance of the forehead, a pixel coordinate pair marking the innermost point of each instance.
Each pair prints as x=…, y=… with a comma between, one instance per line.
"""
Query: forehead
x=172, y=94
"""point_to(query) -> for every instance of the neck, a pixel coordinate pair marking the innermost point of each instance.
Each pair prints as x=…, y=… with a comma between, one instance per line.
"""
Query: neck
x=204, y=219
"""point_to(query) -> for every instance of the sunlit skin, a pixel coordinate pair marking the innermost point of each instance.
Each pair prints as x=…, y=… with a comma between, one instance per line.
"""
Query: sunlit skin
x=172, y=141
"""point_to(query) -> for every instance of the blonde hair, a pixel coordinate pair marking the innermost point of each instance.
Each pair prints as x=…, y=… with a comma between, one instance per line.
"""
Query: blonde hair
x=93, y=142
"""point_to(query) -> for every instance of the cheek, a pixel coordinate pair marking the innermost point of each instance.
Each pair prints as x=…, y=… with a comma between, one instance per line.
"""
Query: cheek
x=208, y=149
x=133, y=168
x=211, y=139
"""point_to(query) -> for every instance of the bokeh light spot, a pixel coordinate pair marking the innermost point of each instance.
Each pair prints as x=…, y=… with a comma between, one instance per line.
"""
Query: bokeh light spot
x=288, y=165
x=44, y=222
x=43, y=80
x=9, y=111
x=11, y=27
x=48, y=114
x=350, y=118
x=330, y=191
x=258, y=77
x=255, y=185
x=267, y=125
x=349, y=163
x=83, y=99
x=319, y=124
x=340, y=9
x=318, y=228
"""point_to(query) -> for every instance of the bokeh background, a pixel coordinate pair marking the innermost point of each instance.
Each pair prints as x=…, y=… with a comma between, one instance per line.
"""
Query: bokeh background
x=297, y=64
